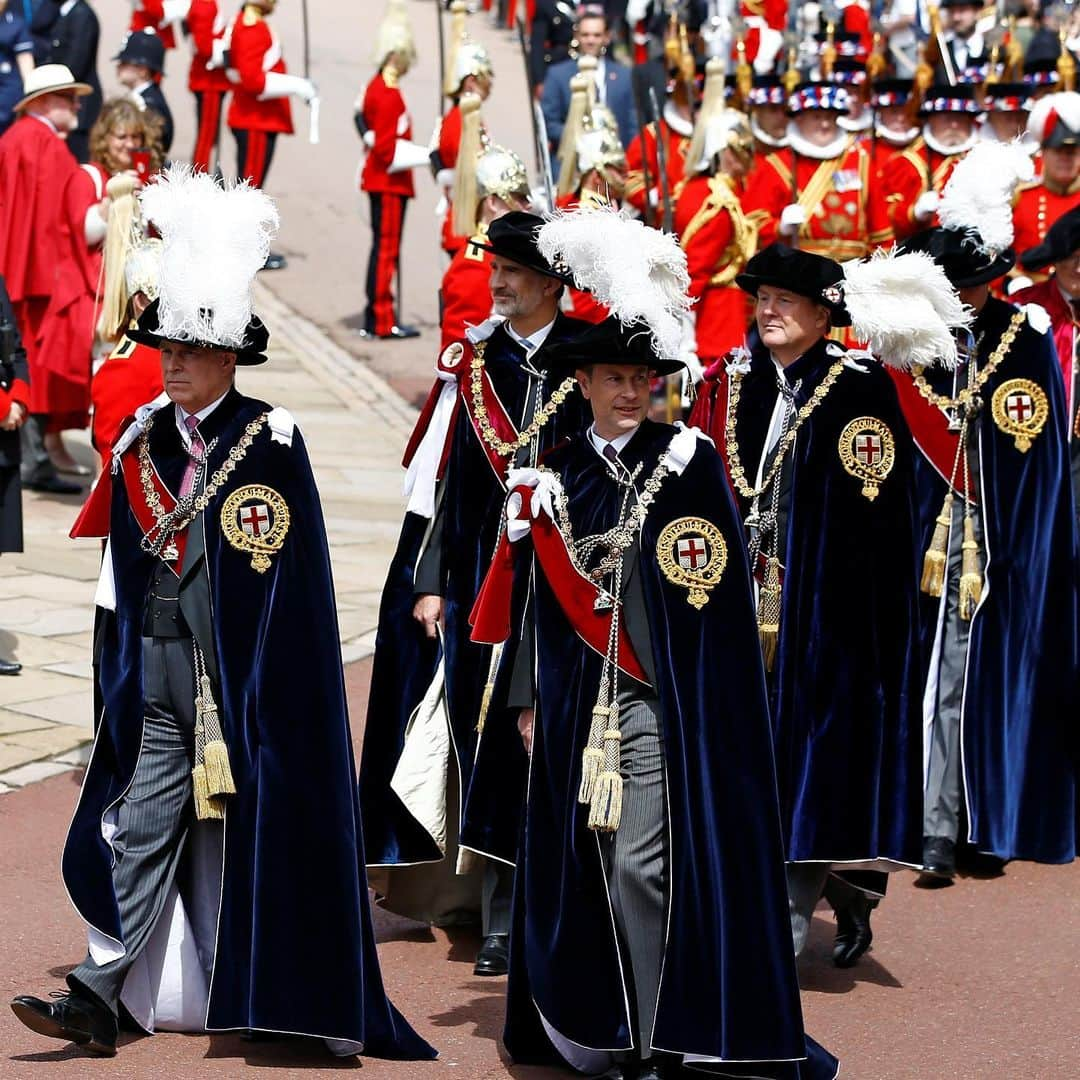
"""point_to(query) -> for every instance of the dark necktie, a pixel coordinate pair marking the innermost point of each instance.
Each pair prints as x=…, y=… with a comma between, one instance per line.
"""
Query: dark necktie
x=610, y=453
x=195, y=456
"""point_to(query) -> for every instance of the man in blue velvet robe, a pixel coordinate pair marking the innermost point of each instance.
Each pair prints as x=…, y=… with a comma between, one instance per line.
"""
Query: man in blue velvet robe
x=428, y=676
x=821, y=459
x=650, y=920
x=216, y=853
x=999, y=606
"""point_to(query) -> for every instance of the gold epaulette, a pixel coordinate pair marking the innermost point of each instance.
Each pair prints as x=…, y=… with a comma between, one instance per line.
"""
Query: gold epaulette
x=123, y=349
x=252, y=15
x=390, y=76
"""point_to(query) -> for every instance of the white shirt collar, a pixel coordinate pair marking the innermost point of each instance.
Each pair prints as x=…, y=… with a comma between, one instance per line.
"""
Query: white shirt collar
x=202, y=414
x=599, y=443
x=535, y=339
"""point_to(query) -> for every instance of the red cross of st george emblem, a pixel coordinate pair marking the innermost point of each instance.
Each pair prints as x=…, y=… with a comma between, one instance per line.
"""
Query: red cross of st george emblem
x=1020, y=407
x=692, y=553
x=868, y=449
x=255, y=520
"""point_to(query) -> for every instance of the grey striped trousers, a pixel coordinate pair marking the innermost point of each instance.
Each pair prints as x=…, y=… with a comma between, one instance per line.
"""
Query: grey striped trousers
x=635, y=859
x=155, y=813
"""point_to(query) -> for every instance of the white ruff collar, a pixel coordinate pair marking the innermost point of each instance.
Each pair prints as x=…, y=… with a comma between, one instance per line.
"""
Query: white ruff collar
x=812, y=150
x=947, y=151
x=677, y=123
x=896, y=138
x=764, y=137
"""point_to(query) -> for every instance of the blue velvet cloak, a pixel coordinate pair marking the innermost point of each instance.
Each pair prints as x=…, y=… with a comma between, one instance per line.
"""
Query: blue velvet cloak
x=295, y=948
x=729, y=987
x=845, y=691
x=405, y=660
x=1021, y=707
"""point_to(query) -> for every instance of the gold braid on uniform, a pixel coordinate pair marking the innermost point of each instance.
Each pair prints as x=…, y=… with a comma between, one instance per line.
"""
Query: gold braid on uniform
x=487, y=432
x=768, y=609
x=745, y=229
x=967, y=403
x=601, y=779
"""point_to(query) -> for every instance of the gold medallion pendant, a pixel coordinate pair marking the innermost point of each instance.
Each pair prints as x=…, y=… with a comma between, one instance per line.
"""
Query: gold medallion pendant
x=692, y=553
x=255, y=519
x=868, y=452
x=1020, y=409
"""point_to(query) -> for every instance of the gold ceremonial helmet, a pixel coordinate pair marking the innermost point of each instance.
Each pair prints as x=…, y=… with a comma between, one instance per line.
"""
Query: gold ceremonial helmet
x=599, y=147
x=729, y=129
x=395, y=35
x=500, y=172
x=143, y=268
x=470, y=58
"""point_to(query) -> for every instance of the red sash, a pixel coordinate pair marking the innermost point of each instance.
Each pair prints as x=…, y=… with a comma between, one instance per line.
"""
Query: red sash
x=490, y=617
x=129, y=467
x=501, y=424
x=929, y=427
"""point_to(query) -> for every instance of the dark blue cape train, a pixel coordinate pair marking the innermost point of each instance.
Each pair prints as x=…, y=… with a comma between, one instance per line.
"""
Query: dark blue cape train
x=729, y=987
x=295, y=947
x=406, y=661
x=1019, y=725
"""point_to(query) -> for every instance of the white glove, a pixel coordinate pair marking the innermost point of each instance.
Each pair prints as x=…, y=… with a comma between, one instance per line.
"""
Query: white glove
x=792, y=218
x=279, y=85
x=369, y=138
x=544, y=485
x=175, y=10
x=1017, y=283
x=926, y=205
x=445, y=178
x=217, y=53
x=688, y=348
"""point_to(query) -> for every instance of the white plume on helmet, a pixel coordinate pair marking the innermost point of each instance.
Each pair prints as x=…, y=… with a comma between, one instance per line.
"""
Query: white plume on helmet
x=904, y=308
x=637, y=272
x=214, y=241
x=1048, y=110
x=977, y=200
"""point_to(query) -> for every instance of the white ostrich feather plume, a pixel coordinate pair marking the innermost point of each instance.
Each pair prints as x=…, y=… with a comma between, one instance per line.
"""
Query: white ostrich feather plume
x=977, y=200
x=214, y=241
x=1067, y=107
x=639, y=273
x=905, y=309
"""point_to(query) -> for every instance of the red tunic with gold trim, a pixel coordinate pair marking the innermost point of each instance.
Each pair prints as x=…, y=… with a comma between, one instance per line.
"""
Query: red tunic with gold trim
x=718, y=239
x=385, y=115
x=909, y=174
x=129, y=378
x=846, y=215
x=466, y=289
x=1037, y=207
x=150, y=15
x=881, y=153
x=639, y=152
x=255, y=50
x=579, y=303
x=447, y=149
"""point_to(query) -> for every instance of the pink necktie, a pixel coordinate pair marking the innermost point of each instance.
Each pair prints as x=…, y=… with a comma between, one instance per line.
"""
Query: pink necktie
x=195, y=456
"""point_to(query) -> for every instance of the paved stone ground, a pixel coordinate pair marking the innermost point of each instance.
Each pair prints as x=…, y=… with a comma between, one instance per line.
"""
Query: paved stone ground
x=46, y=594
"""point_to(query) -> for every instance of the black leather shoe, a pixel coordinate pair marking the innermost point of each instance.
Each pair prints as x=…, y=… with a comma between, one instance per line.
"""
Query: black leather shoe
x=53, y=485
x=401, y=332
x=9, y=667
x=939, y=858
x=494, y=955
x=853, y=933
x=274, y=261
x=70, y=1017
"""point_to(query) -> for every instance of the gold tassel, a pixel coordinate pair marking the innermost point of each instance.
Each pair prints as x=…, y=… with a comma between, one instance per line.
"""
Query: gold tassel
x=464, y=196
x=219, y=777
x=605, y=812
x=572, y=130
x=934, y=562
x=592, y=758
x=768, y=613
x=206, y=807
x=971, y=573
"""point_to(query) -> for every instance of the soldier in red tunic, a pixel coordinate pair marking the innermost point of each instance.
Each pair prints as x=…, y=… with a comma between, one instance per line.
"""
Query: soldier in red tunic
x=675, y=128
x=717, y=236
x=386, y=129
x=207, y=78
x=821, y=193
x=1055, y=124
x=161, y=16
x=469, y=72
x=502, y=185
x=259, y=111
x=915, y=177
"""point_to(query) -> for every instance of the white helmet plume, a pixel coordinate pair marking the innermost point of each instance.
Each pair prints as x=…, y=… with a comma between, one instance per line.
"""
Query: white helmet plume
x=977, y=200
x=214, y=241
x=905, y=309
x=637, y=272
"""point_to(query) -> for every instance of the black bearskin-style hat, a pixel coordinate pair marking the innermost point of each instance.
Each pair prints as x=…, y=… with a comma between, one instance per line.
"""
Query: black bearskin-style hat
x=801, y=272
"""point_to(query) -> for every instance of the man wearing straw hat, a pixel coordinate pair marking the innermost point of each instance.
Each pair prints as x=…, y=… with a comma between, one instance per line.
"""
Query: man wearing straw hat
x=35, y=166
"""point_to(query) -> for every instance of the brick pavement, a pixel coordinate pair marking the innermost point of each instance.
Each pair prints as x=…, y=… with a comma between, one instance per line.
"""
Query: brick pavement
x=46, y=593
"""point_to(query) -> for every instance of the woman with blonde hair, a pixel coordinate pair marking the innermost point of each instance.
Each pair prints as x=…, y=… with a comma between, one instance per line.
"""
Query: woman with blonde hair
x=68, y=331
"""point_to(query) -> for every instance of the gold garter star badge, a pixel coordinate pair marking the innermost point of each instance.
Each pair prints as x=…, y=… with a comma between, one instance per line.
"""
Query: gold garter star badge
x=1020, y=409
x=692, y=553
x=255, y=520
x=868, y=452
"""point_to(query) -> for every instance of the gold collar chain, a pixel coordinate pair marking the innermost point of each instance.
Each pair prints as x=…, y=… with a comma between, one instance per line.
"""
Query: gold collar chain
x=167, y=524
x=735, y=466
x=966, y=396
x=480, y=410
